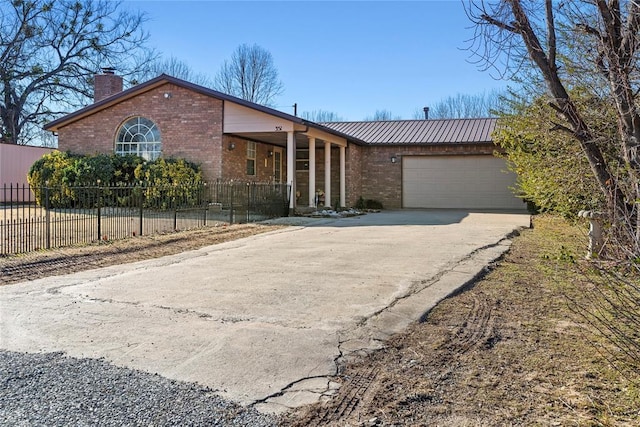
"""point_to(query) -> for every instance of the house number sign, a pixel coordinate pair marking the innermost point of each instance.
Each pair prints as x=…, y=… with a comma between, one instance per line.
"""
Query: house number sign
x=278, y=127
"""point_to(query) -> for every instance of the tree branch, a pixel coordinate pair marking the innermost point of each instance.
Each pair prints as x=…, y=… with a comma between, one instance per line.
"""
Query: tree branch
x=558, y=126
x=492, y=21
x=551, y=35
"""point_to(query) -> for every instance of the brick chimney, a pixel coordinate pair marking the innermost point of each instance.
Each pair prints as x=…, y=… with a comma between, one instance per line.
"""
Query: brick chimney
x=105, y=84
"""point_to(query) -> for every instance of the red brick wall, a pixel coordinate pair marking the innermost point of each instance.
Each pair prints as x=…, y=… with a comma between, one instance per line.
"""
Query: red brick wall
x=382, y=180
x=234, y=161
x=370, y=173
x=105, y=85
x=354, y=173
x=190, y=126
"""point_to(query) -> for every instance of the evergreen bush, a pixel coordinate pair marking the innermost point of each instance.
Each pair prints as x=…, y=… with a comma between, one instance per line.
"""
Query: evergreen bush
x=72, y=180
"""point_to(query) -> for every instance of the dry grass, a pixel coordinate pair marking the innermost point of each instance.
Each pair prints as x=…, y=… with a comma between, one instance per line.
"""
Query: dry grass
x=35, y=265
x=510, y=351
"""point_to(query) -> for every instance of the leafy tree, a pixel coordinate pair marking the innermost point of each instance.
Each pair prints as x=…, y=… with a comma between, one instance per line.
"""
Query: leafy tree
x=565, y=45
x=320, y=116
x=49, y=52
x=586, y=55
x=553, y=174
x=250, y=74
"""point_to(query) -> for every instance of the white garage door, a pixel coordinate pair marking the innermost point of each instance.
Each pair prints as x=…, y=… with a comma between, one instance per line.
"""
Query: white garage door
x=458, y=182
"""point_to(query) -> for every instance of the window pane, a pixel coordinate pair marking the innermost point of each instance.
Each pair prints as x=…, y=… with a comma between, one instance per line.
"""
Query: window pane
x=146, y=122
x=141, y=136
x=251, y=150
x=251, y=167
x=154, y=134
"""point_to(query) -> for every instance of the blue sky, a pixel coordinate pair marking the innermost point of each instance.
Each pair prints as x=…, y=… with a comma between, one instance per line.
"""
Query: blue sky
x=352, y=58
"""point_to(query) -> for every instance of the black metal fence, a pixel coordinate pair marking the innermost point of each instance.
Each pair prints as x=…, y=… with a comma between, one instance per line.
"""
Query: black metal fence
x=34, y=218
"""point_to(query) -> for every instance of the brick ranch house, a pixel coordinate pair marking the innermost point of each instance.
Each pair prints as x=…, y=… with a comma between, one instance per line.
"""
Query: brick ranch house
x=402, y=164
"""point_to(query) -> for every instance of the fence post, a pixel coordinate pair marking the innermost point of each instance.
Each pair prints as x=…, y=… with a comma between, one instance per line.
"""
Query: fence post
x=249, y=188
x=5, y=223
x=175, y=218
x=203, y=201
x=99, y=212
x=141, y=205
x=231, y=189
x=47, y=215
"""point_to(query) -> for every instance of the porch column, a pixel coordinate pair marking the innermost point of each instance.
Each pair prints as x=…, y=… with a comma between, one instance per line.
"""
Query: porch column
x=291, y=169
x=343, y=203
x=327, y=174
x=312, y=172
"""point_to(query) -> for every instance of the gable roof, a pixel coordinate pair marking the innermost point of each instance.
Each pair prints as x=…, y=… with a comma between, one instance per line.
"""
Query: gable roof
x=164, y=79
x=418, y=132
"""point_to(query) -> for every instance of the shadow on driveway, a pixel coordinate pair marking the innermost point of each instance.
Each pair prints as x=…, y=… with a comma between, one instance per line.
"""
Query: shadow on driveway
x=392, y=217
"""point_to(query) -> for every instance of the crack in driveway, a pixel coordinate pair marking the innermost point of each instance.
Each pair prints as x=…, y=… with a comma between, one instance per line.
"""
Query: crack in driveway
x=258, y=321
x=416, y=288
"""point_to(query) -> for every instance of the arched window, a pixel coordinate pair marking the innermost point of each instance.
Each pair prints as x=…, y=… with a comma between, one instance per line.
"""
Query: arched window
x=139, y=136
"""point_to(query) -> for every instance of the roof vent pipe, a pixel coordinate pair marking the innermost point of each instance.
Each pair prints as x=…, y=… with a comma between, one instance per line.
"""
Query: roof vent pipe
x=426, y=113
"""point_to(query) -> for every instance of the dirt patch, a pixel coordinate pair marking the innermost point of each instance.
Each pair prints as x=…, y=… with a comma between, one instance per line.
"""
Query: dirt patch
x=509, y=351
x=70, y=260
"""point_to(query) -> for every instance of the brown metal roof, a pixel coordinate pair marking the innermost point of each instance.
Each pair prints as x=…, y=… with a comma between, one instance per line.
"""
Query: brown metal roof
x=442, y=131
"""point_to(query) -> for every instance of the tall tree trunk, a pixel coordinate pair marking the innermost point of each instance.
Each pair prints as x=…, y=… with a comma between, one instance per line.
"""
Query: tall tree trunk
x=562, y=101
x=9, y=117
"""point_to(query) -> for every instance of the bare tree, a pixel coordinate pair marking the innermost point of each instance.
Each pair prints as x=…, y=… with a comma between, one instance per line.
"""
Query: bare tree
x=461, y=106
x=575, y=48
x=382, y=115
x=250, y=74
x=173, y=67
x=572, y=44
x=319, y=116
x=49, y=52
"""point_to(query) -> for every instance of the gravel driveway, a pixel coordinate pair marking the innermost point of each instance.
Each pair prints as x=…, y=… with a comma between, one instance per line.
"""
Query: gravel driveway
x=52, y=389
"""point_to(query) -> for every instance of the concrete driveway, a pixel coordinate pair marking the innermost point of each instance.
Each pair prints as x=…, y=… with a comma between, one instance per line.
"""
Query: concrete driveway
x=263, y=320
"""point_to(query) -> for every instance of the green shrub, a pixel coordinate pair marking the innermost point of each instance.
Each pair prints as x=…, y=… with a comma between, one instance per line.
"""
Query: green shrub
x=553, y=175
x=368, y=204
x=372, y=204
x=171, y=183
x=72, y=180
x=52, y=170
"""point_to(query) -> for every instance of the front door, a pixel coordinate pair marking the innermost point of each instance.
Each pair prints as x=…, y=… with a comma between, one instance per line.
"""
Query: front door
x=277, y=165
